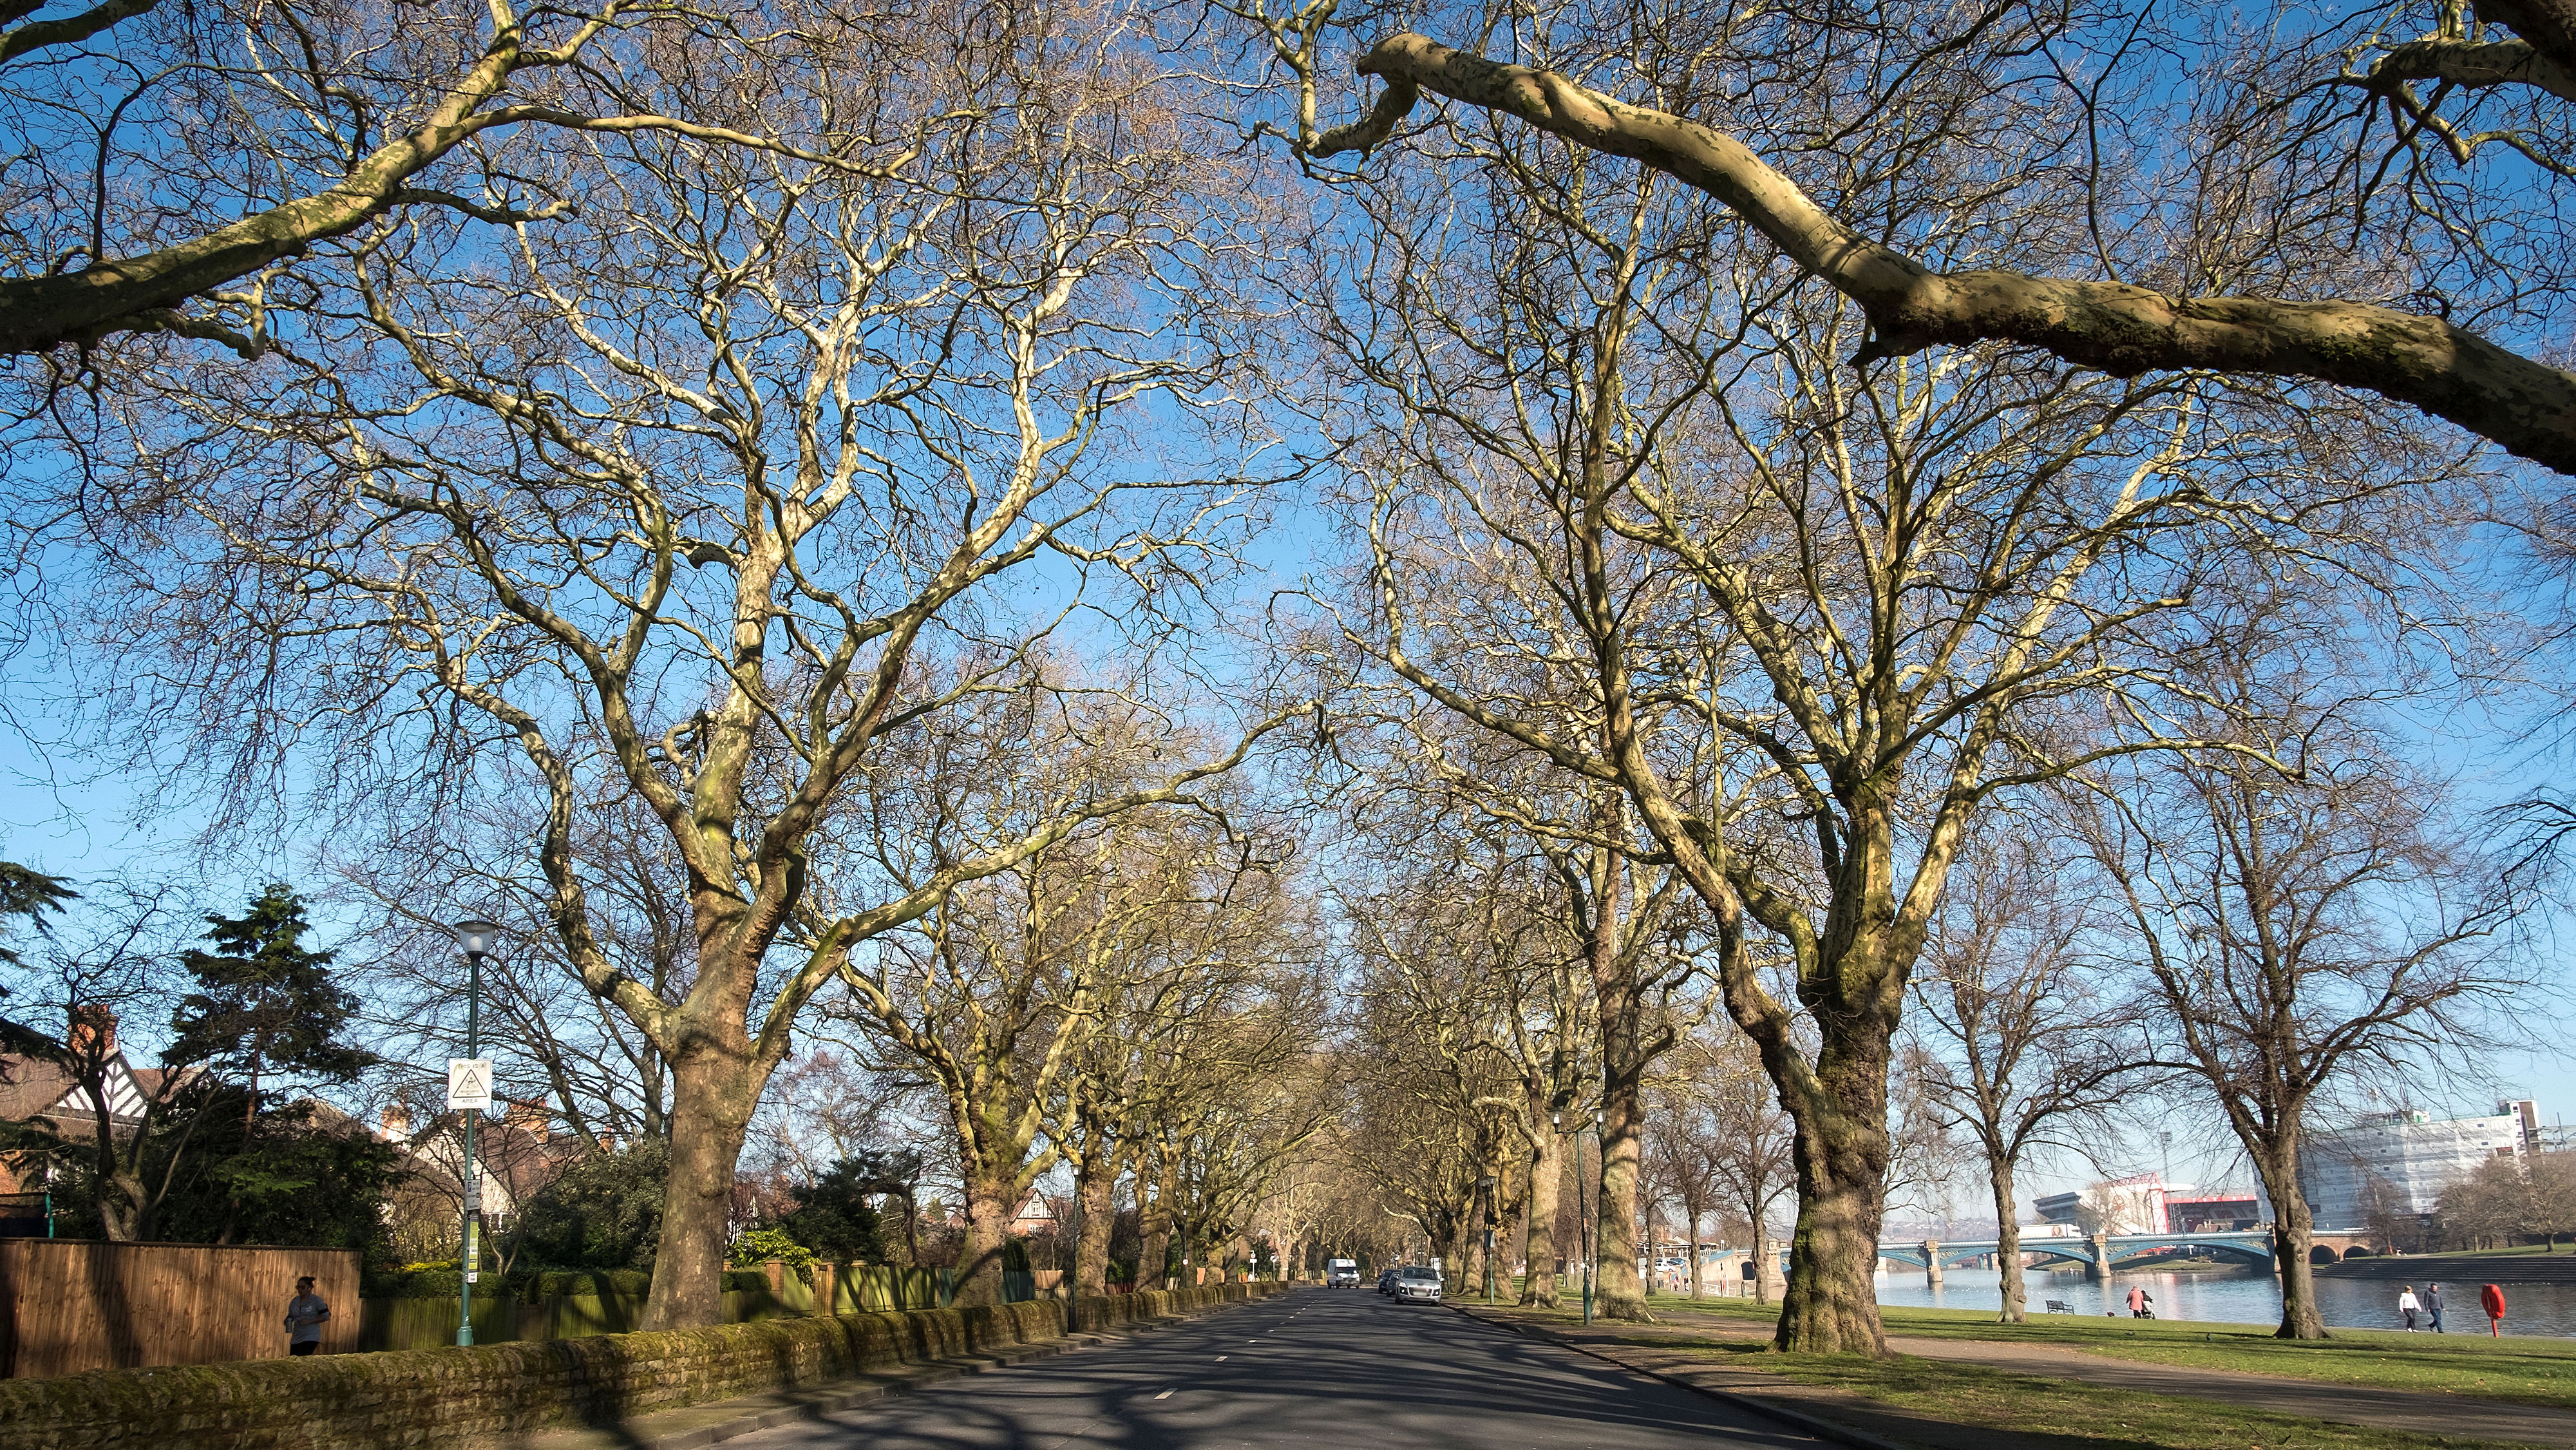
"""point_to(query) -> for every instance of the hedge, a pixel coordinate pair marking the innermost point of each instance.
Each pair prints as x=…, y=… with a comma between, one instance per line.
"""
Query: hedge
x=489, y=1395
x=442, y=1283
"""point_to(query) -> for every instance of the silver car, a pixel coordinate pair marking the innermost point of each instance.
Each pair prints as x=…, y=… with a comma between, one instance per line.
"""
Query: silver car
x=1417, y=1284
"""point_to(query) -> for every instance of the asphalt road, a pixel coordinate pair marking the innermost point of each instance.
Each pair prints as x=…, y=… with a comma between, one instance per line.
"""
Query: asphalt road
x=1314, y=1367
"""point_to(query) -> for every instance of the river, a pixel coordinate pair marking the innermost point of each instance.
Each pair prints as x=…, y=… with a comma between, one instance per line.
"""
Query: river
x=2250, y=1296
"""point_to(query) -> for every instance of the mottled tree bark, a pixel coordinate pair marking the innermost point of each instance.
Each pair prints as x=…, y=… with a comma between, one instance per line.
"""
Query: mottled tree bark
x=2549, y=26
x=1095, y=1188
x=1154, y=1222
x=714, y=1090
x=991, y=1201
x=1546, y=1177
x=1618, y=1293
x=1831, y=1302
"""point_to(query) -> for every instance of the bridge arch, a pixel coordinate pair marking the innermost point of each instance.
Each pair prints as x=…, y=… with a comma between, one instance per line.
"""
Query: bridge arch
x=2323, y=1254
x=2043, y=1255
x=2233, y=1252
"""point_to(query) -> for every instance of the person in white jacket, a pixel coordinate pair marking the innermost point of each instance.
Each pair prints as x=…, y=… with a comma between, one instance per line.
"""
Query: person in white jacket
x=2409, y=1305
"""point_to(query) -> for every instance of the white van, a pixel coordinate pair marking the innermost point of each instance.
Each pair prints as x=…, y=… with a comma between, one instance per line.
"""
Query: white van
x=1338, y=1272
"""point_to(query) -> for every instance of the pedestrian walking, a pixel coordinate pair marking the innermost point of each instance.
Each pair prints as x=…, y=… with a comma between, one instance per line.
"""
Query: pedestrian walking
x=2139, y=1299
x=2491, y=1299
x=2433, y=1305
x=2409, y=1305
x=305, y=1315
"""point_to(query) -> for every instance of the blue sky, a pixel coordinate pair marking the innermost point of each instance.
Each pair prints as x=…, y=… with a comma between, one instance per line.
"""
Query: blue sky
x=63, y=812
x=53, y=819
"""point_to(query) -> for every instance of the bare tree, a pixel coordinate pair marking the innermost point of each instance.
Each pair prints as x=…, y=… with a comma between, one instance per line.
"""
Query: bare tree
x=696, y=497
x=2524, y=1193
x=2504, y=81
x=1629, y=515
x=163, y=154
x=2297, y=918
x=113, y=960
x=1751, y=1147
x=552, y=1039
x=1683, y=1154
x=1235, y=1139
x=1583, y=937
x=2023, y=1047
x=1004, y=996
x=1216, y=989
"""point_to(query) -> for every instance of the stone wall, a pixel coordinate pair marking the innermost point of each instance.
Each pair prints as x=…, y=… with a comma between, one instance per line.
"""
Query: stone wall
x=489, y=1395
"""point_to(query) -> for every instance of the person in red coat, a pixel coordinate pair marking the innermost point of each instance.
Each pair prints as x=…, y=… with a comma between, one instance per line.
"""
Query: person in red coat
x=2491, y=1299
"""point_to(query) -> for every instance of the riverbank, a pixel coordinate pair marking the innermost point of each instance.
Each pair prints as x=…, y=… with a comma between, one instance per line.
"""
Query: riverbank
x=2519, y=1369
x=2249, y=1297
x=1985, y=1396
x=2499, y=1266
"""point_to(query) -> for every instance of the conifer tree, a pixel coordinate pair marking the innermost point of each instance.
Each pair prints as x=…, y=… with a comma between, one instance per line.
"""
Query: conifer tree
x=265, y=1004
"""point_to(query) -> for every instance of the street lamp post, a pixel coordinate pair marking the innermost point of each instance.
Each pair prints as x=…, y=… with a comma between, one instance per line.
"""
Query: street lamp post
x=1591, y=1217
x=1587, y=1233
x=476, y=937
x=1489, y=1238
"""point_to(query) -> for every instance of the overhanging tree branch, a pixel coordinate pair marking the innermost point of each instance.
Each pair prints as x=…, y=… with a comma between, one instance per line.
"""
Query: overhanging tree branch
x=2526, y=407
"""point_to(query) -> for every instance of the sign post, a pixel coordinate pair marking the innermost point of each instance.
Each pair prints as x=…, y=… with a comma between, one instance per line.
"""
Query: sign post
x=469, y=1095
x=469, y=1084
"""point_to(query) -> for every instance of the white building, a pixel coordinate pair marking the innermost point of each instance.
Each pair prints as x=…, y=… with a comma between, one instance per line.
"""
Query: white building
x=2131, y=1205
x=2406, y=1159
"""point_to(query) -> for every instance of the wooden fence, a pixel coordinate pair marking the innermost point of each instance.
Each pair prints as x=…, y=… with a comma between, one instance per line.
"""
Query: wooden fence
x=68, y=1305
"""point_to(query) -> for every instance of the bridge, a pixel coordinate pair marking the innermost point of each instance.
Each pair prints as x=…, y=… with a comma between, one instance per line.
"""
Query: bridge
x=2101, y=1255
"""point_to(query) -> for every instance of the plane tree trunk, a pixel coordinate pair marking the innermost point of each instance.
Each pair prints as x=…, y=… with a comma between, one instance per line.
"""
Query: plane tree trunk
x=1095, y=1188
x=1546, y=1180
x=2016, y=1301
x=716, y=1085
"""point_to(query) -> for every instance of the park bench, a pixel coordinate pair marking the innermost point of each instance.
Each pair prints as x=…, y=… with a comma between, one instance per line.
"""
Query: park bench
x=2060, y=1306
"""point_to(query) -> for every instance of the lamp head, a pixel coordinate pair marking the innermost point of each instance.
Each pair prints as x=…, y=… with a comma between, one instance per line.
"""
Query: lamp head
x=1556, y=1121
x=476, y=936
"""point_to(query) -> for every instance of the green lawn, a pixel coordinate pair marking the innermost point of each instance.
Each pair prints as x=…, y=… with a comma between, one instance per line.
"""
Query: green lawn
x=2527, y=1370
x=2060, y=1412
x=2517, y=1251
x=2034, y=1405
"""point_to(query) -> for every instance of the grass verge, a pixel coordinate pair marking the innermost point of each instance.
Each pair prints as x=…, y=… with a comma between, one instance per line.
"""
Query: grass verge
x=2522, y=1369
x=2036, y=1410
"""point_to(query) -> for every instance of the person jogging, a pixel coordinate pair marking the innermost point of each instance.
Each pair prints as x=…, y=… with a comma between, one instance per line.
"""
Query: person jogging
x=305, y=1314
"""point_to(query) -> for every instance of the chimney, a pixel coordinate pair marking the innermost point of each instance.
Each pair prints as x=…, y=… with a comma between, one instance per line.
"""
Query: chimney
x=397, y=1123
x=528, y=1118
x=93, y=1031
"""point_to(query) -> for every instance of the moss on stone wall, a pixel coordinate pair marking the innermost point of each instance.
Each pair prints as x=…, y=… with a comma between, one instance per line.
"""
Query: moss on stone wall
x=459, y=1399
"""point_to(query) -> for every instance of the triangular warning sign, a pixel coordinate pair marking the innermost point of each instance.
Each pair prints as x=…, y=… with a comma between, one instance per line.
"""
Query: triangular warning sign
x=469, y=1082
